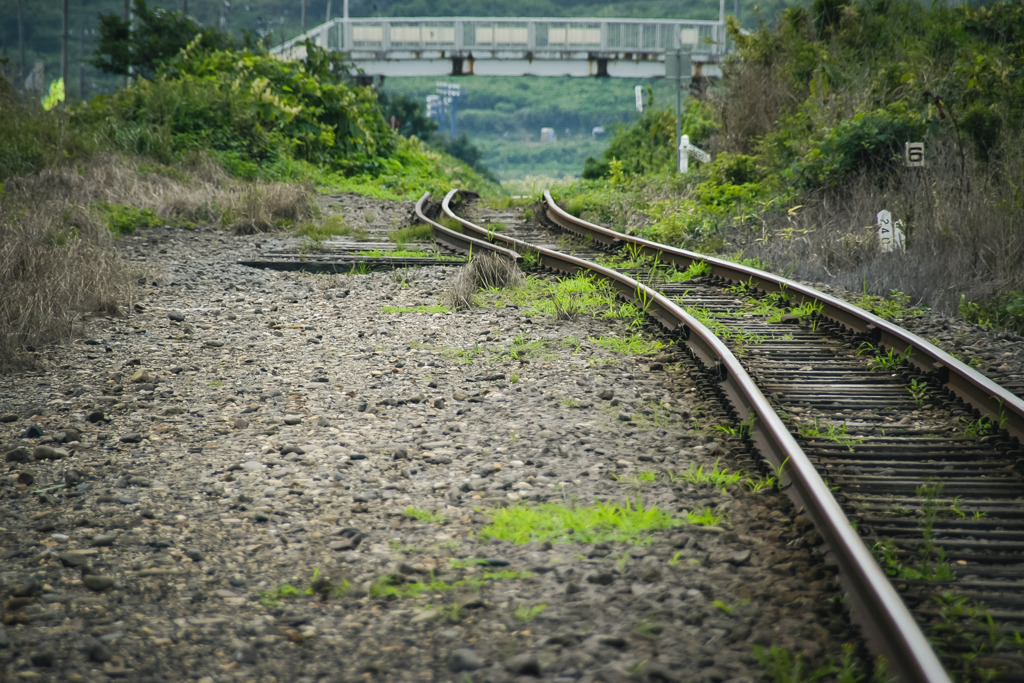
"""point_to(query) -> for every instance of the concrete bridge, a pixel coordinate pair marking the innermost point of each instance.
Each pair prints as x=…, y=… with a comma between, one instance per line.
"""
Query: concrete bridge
x=463, y=46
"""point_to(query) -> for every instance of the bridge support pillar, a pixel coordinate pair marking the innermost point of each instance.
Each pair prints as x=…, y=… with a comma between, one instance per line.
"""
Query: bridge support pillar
x=462, y=66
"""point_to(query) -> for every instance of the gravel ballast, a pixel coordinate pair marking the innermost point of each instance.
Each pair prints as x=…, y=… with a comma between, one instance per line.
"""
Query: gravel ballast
x=250, y=475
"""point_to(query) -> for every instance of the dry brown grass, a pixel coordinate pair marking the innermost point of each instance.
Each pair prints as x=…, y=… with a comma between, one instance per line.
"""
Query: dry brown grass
x=58, y=260
x=262, y=208
x=482, y=272
x=965, y=231
x=52, y=270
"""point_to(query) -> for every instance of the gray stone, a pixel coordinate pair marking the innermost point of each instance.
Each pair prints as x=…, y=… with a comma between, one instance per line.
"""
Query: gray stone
x=141, y=376
x=98, y=582
x=104, y=539
x=48, y=453
x=464, y=659
x=17, y=455
x=97, y=651
x=524, y=664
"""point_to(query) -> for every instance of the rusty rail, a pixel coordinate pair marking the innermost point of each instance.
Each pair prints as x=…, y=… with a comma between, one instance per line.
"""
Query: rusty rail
x=889, y=626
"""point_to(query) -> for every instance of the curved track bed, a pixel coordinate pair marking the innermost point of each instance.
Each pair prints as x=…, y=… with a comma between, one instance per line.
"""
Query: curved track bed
x=866, y=422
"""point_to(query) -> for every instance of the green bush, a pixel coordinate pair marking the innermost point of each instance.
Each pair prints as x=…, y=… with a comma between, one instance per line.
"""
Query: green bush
x=871, y=142
x=1006, y=311
x=122, y=219
x=250, y=110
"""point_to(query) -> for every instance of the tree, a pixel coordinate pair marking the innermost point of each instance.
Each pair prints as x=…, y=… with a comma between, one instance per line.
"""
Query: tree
x=409, y=113
x=153, y=37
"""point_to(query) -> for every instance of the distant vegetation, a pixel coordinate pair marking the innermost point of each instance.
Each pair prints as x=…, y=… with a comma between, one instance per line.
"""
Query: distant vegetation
x=218, y=135
x=31, y=30
x=808, y=132
x=501, y=118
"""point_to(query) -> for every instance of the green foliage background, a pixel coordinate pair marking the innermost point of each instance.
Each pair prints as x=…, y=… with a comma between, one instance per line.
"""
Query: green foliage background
x=502, y=117
x=808, y=130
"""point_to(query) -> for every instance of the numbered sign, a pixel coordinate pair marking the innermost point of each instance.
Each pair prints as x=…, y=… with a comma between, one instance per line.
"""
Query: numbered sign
x=913, y=153
x=890, y=236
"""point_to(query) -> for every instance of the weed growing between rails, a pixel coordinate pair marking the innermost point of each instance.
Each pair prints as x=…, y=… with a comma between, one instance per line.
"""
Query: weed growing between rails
x=484, y=271
x=963, y=628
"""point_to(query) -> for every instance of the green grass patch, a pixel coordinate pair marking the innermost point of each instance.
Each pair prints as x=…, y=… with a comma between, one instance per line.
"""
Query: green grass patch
x=421, y=232
x=332, y=226
x=424, y=515
x=717, y=476
x=596, y=523
x=634, y=344
x=122, y=219
x=317, y=586
x=526, y=613
x=571, y=297
x=398, y=586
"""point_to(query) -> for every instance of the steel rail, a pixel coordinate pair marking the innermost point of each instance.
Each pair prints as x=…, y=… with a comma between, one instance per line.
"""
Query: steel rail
x=458, y=241
x=1002, y=407
x=889, y=626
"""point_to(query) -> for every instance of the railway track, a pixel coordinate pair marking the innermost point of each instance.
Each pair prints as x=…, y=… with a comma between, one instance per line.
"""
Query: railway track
x=908, y=462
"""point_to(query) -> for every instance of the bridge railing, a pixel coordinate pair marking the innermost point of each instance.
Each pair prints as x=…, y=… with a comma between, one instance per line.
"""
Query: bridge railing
x=371, y=37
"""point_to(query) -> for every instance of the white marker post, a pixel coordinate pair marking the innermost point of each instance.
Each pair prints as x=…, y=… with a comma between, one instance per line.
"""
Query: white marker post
x=890, y=237
x=686, y=150
x=639, y=98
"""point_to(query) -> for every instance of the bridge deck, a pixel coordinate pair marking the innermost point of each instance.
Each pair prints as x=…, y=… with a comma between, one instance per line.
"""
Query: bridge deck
x=509, y=46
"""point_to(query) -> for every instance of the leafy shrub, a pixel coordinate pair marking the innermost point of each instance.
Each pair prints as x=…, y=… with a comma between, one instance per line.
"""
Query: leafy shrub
x=122, y=219
x=871, y=142
x=649, y=144
x=251, y=110
x=1005, y=311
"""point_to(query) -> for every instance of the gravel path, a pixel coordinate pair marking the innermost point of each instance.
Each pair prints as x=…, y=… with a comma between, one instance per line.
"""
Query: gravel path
x=259, y=476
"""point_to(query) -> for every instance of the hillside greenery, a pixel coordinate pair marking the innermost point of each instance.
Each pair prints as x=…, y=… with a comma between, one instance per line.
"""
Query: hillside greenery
x=808, y=131
x=503, y=117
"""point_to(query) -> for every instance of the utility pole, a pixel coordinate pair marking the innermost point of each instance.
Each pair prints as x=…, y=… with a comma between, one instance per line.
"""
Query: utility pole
x=81, y=66
x=184, y=7
x=128, y=20
x=328, y=17
x=21, y=45
x=64, y=46
x=302, y=14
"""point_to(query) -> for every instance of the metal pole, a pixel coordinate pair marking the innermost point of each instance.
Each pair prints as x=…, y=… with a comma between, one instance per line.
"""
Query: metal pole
x=128, y=19
x=679, y=122
x=21, y=45
x=302, y=14
x=64, y=46
x=81, y=66
x=328, y=16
